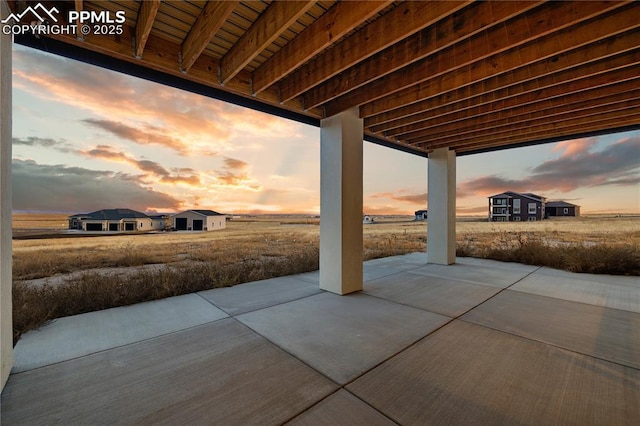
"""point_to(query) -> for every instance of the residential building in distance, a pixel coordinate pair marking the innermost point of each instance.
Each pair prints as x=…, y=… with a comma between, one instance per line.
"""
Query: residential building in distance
x=516, y=207
x=116, y=220
x=198, y=220
x=421, y=215
x=561, y=208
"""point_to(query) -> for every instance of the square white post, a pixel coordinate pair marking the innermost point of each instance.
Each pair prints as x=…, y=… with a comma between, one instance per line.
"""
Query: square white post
x=441, y=238
x=341, y=250
x=6, y=323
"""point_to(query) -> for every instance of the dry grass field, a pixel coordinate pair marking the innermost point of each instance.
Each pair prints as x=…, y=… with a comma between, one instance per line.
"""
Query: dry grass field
x=58, y=274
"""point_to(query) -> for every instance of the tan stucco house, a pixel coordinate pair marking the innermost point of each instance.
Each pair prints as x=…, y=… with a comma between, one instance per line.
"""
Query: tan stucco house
x=116, y=220
x=198, y=220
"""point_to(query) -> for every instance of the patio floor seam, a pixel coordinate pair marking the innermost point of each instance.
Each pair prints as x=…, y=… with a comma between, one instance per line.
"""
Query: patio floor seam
x=550, y=344
x=502, y=290
x=366, y=371
x=568, y=300
x=120, y=346
x=333, y=393
x=259, y=309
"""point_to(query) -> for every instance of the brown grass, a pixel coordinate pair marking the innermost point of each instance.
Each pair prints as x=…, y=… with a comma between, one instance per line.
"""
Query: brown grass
x=250, y=250
x=34, y=305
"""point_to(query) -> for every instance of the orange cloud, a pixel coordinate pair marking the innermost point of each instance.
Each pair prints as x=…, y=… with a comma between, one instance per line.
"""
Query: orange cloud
x=575, y=146
x=150, y=135
x=235, y=173
x=418, y=199
x=179, y=120
x=386, y=210
x=186, y=176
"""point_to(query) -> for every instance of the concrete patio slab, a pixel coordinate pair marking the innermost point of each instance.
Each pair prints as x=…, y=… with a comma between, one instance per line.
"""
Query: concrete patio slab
x=260, y=294
x=374, y=272
x=515, y=358
x=342, y=336
x=440, y=295
x=605, y=333
x=497, y=277
x=341, y=408
x=220, y=373
x=496, y=264
x=405, y=261
x=601, y=278
x=312, y=277
x=574, y=287
x=78, y=335
x=470, y=375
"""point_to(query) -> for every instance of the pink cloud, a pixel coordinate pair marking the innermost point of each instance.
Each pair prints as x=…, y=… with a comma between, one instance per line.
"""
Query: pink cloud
x=153, y=113
x=578, y=166
x=575, y=146
x=418, y=199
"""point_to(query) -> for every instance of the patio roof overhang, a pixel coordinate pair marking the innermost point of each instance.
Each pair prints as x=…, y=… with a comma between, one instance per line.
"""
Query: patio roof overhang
x=438, y=79
x=469, y=76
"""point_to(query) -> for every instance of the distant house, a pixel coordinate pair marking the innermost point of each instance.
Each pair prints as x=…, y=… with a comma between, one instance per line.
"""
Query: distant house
x=367, y=219
x=115, y=220
x=515, y=207
x=198, y=220
x=421, y=215
x=561, y=208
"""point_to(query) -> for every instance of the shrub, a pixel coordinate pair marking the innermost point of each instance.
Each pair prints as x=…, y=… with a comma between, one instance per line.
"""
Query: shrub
x=34, y=305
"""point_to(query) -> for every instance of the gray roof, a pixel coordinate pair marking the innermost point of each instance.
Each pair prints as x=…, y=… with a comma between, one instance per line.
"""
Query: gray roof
x=508, y=194
x=205, y=212
x=560, y=204
x=114, y=214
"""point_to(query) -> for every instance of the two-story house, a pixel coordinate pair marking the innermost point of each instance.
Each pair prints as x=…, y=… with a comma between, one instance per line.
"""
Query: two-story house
x=515, y=207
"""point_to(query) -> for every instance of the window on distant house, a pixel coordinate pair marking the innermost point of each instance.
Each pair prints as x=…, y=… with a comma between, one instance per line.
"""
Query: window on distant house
x=516, y=218
x=566, y=210
x=532, y=219
x=532, y=208
x=516, y=206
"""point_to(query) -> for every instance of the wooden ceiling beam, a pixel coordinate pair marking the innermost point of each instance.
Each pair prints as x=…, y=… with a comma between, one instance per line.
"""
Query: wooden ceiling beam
x=399, y=23
x=485, y=49
x=334, y=24
x=434, y=38
x=205, y=27
x=275, y=20
x=587, y=118
x=528, y=93
x=79, y=7
x=567, y=133
x=461, y=84
x=397, y=110
x=146, y=15
x=162, y=55
x=601, y=100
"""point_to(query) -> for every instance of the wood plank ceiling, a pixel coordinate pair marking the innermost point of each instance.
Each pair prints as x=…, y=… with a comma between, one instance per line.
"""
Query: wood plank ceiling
x=471, y=76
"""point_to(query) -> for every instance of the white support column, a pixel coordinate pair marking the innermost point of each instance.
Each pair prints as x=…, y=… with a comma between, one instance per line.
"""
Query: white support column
x=341, y=202
x=6, y=323
x=441, y=238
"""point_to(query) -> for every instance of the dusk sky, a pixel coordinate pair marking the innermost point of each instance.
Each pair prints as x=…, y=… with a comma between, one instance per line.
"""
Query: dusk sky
x=85, y=138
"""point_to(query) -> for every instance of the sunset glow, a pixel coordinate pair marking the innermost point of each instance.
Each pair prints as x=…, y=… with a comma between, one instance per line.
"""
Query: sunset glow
x=87, y=138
